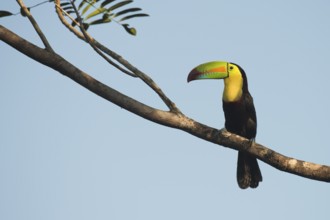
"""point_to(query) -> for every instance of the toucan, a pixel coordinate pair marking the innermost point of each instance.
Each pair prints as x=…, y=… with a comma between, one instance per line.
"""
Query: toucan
x=239, y=111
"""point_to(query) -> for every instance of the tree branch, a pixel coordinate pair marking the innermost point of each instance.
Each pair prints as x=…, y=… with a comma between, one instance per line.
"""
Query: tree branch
x=166, y=118
x=35, y=25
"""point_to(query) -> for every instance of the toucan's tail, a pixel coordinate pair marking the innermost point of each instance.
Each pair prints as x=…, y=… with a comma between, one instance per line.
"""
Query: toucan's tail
x=248, y=172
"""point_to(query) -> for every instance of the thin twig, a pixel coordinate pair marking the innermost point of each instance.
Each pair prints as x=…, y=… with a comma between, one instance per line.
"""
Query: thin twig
x=145, y=78
x=38, y=4
x=35, y=25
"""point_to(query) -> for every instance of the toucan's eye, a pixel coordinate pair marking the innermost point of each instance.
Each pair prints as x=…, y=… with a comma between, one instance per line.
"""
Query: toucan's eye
x=231, y=67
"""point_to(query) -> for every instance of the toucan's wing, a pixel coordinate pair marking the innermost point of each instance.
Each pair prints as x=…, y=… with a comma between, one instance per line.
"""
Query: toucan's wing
x=251, y=125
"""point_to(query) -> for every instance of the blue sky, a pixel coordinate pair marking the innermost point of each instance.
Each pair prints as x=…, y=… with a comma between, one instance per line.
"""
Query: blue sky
x=66, y=153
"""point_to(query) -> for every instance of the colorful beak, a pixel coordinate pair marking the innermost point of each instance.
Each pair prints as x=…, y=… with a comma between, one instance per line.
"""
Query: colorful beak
x=210, y=70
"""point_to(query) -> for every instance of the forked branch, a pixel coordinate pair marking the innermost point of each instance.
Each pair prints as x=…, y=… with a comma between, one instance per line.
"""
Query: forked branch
x=35, y=25
x=83, y=35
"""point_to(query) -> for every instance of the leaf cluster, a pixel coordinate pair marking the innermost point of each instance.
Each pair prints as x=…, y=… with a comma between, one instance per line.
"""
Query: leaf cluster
x=93, y=12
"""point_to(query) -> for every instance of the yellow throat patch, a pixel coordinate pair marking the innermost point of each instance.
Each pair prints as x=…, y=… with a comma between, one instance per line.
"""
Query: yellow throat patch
x=233, y=85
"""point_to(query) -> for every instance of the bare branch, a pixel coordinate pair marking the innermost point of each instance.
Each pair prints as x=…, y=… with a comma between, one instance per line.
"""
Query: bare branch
x=35, y=25
x=171, y=105
x=170, y=119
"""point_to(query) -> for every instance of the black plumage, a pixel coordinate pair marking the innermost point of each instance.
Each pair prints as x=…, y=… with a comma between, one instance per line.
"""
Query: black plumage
x=241, y=119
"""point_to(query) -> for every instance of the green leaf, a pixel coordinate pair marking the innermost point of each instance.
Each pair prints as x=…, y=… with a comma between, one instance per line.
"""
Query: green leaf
x=133, y=16
x=5, y=13
x=67, y=8
x=100, y=21
x=120, y=4
x=71, y=12
x=104, y=11
x=129, y=30
x=127, y=11
x=65, y=4
x=106, y=16
x=106, y=2
x=90, y=4
x=81, y=4
x=96, y=12
x=86, y=9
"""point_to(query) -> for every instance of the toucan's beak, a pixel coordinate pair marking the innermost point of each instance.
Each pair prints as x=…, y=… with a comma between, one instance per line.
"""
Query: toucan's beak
x=210, y=70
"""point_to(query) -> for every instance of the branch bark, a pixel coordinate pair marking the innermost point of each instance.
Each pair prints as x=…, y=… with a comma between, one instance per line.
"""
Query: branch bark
x=167, y=118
